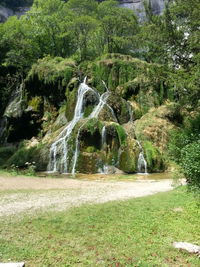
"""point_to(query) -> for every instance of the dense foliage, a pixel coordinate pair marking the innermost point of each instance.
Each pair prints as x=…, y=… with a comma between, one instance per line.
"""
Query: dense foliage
x=184, y=149
x=79, y=31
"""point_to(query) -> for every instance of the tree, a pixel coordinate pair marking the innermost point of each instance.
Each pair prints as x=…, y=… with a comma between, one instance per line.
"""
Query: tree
x=118, y=26
x=83, y=28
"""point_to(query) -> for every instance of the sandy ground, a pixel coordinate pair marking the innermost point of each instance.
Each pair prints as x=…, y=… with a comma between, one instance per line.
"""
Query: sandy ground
x=30, y=195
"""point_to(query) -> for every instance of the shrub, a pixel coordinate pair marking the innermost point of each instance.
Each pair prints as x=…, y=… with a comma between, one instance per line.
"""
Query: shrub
x=190, y=162
x=6, y=153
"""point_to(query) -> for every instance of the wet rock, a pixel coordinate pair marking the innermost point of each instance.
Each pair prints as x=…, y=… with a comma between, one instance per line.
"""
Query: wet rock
x=59, y=122
x=109, y=169
x=138, y=6
x=15, y=107
x=128, y=156
x=120, y=108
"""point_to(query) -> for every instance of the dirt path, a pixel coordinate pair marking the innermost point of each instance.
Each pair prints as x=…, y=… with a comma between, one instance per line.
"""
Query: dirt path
x=24, y=194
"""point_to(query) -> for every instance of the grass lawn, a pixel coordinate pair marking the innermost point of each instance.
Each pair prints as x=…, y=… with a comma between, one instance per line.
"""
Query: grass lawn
x=137, y=232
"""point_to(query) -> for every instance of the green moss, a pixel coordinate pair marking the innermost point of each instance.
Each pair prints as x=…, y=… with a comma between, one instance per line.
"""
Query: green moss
x=128, y=162
x=50, y=70
x=118, y=70
x=88, y=110
x=71, y=98
x=92, y=125
x=37, y=154
x=121, y=134
x=36, y=103
x=129, y=156
x=5, y=153
x=120, y=108
x=88, y=162
x=153, y=157
x=90, y=149
x=156, y=125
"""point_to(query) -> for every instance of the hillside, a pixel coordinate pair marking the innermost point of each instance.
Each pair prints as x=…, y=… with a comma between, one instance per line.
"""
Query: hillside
x=86, y=87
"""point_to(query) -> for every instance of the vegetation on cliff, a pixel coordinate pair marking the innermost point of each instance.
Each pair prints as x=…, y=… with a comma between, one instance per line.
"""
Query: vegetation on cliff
x=147, y=66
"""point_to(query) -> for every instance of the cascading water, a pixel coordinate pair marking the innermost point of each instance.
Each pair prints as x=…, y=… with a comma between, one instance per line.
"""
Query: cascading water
x=142, y=163
x=95, y=113
x=63, y=139
x=64, y=136
x=130, y=111
x=103, y=136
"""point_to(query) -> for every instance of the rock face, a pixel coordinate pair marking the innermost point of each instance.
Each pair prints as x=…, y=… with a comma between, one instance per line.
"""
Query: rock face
x=138, y=6
x=102, y=125
x=5, y=12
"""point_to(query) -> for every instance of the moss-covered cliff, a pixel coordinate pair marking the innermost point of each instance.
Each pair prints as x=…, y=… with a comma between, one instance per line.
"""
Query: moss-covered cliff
x=126, y=116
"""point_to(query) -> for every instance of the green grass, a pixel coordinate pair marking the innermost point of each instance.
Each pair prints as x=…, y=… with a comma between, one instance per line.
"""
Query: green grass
x=137, y=232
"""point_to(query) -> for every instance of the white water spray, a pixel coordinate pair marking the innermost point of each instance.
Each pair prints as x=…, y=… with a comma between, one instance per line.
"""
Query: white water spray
x=59, y=149
x=95, y=113
x=142, y=163
x=63, y=137
x=103, y=136
x=130, y=111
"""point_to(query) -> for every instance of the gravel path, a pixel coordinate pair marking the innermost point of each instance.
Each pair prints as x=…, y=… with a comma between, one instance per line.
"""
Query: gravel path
x=24, y=194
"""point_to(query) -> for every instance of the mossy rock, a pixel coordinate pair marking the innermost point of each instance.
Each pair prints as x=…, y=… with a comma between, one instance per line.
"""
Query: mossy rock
x=88, y=162
x=154, y=158
x=107, y=115
x=49, y=70
x=60, y=121
x=91, y=100
x=71, y=98
x=49, y=78
x=129, y=156
x=127, y=74
x=5, y=153
x=38, y=154
x=156, y=125
x=120, y=108
x=136, y=110
x=36, y=104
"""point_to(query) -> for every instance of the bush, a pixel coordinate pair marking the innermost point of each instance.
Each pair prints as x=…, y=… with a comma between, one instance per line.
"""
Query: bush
x=190, y=162
x=33, y=158
x=6, y=153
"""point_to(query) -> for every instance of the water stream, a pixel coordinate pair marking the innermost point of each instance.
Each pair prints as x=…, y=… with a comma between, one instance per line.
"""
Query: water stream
x=63, y=138
x=142, y=163
x=103, y=136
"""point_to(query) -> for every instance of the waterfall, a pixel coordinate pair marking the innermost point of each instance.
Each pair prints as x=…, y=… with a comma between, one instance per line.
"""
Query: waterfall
x=60, y=147
x=95, y=113
x=103, y=136
x=130, y=111
x=105, y=85
x=63, y=137
x=142, y=163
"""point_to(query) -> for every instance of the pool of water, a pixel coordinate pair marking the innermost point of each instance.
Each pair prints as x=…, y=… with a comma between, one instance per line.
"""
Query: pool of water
x=119, y=177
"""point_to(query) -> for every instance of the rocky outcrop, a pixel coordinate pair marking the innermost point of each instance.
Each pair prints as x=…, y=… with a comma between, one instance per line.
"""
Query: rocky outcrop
x=138, y=6
x=5, y=12
x=103, y=127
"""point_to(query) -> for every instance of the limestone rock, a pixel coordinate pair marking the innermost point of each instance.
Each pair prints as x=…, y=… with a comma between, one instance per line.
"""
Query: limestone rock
x=12, y=264
x=6, y=12
x=138, y=6
x=155, y=126
x=191, y=248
